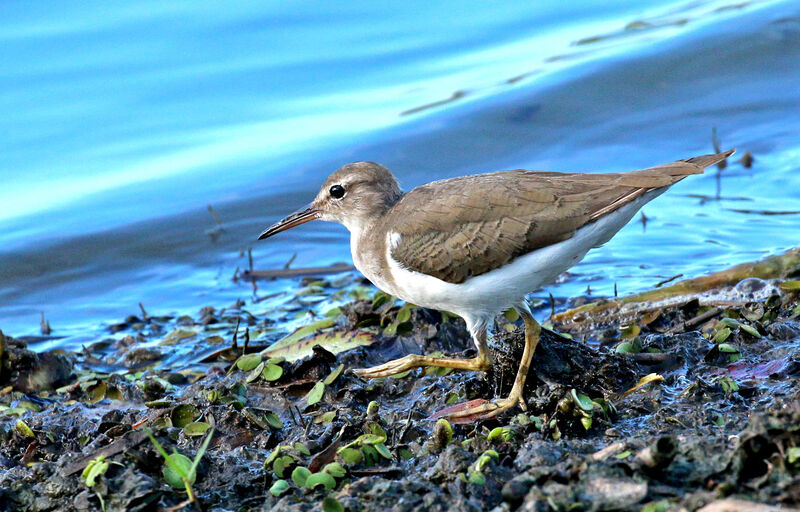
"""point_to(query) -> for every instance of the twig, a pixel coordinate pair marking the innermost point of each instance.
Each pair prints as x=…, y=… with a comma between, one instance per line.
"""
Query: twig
x=45, y=326
x=702, y=317
x=235, y=345
x=179, y=506
x=288, y=263
x=608, y=451
x=214, y=215
x=257, y=275
x=665, y=281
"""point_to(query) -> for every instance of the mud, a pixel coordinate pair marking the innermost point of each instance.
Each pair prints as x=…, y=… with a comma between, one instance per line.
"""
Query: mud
x=716, y=414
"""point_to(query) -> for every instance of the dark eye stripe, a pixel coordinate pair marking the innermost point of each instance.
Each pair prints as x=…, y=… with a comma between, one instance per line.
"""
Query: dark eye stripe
x=337, y=191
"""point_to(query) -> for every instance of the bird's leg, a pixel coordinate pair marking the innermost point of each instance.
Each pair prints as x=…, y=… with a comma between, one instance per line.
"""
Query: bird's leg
x=480, y=362
x=491, y=409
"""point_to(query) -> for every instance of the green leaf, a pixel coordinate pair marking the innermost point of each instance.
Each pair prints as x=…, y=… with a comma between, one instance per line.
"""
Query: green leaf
x=177, y=468
x=511, y=314
x=272, y=372
x=302, y=448
x=333, y=375
x=477, y=478
x=279, y=487
x=316, y=393
x=727, y=322
x=273, y=420
x=630, y=332
x=582, y=401
x=623, y=455
x=325, y=418
x=727, y=348
x=94, y=469
x=793, y=455
x=370, y=454
x=272, y=456
x=323, y=479
x=255, y=373
x=721, y=335
x=196, y=428
x=629, y=347
x=404, y=315
x=586, y=421
x=248, y=362
x=335, y=469
x=494, y=434
x=370, y=439
x=790, y=286
x=280, y=465
x=380, y=298
x=383, y=450
x=749, y=329
x=376, y=430
x=184, y=414
x=330, y=504
x=351, y=455
x=23, y=429
x=300, y=475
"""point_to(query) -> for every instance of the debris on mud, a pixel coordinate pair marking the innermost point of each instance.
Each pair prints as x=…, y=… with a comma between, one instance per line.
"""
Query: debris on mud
x=642, y=405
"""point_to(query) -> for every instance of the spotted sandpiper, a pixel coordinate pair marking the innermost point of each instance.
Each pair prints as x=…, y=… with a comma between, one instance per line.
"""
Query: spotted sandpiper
x=476, y=245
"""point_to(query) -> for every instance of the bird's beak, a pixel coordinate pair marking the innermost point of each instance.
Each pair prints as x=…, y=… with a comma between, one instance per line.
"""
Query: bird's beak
x=295, y=219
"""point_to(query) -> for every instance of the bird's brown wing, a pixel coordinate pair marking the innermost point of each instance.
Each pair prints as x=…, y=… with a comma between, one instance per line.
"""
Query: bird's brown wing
x=462, y=227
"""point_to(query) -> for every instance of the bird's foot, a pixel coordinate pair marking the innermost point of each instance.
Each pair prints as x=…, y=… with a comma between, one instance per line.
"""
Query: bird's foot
x=478, y=409
x=412, y=361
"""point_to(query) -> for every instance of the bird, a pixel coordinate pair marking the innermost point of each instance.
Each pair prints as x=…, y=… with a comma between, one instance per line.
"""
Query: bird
x=476, y=245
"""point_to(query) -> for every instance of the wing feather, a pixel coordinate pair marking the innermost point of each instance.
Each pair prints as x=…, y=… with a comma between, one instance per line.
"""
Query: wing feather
x=462, y=227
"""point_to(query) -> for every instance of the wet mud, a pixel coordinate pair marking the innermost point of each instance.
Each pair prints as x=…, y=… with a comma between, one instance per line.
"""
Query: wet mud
x=657, y=408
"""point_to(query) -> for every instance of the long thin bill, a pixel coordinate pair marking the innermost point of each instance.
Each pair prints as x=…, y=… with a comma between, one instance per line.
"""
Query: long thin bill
x=295, y=219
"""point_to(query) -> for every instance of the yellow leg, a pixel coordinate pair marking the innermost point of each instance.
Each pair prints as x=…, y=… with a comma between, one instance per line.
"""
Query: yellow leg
x=479, y=363
x=491, y=409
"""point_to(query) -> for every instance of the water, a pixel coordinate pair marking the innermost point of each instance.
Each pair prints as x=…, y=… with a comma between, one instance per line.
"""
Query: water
x=123, y=122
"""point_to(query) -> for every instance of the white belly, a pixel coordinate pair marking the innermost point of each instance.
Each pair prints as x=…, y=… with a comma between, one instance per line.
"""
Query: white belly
x=484, y=296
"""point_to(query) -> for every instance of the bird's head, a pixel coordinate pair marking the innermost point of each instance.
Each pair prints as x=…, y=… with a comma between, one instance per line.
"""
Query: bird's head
x=354, y=195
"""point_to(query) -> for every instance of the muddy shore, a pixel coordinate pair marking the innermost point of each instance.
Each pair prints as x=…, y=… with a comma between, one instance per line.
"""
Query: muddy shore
x=678, y=400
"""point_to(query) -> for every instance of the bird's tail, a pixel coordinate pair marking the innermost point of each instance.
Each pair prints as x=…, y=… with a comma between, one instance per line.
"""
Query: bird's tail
x=707, y=160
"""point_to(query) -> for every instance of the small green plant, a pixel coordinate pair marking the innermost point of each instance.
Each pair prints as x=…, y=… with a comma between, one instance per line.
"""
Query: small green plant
x=476, y=474
x=180, y=471
x=94, y=469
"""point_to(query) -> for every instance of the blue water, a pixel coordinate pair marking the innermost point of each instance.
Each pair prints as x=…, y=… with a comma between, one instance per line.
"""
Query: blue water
x=122, y=122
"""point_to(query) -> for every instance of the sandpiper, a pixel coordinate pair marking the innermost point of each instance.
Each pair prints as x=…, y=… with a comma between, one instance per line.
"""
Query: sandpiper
x=476, y=245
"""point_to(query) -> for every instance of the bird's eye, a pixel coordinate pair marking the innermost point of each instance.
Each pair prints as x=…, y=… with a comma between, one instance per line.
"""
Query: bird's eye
x=337, y=191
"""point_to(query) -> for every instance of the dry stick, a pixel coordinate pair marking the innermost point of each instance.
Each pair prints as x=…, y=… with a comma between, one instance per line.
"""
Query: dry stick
x=608, y=451
x=235, y=345
x=178, y=506
x=145, y=316
x=255, y=275
x=711, y=313
x=214, y=215
x=665, y=281
x=302, y=421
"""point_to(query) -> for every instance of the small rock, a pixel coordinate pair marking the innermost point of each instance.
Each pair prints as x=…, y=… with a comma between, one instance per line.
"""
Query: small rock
x=515, y=490
x=734, y=505
x=613, y=493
